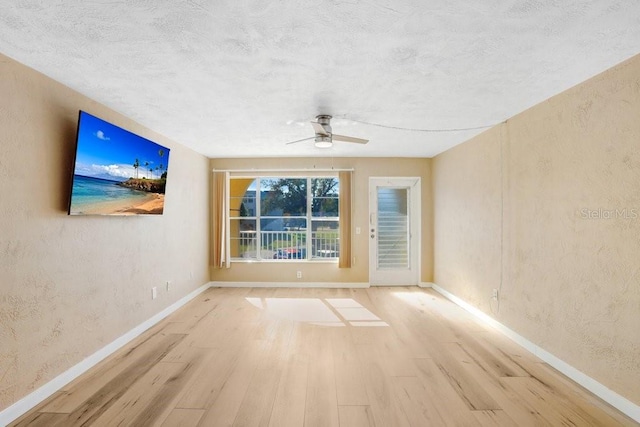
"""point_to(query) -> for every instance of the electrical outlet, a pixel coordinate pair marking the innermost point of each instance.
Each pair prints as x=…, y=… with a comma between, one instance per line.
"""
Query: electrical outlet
x=154, y=292
x=358, y=230
x=299, y=274
x=168, y=285
x=494, y=294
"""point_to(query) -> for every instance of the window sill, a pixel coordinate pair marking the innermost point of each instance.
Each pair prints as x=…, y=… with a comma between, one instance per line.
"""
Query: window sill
x=283, y=261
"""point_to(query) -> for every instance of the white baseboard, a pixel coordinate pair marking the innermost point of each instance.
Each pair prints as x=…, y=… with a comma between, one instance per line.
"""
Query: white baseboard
x=289, y=285
x=611, y=397
x=23, y=405
x=425, y=285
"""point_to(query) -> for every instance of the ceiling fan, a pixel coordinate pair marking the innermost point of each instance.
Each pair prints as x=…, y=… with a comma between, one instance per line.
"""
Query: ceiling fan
x=324, y=136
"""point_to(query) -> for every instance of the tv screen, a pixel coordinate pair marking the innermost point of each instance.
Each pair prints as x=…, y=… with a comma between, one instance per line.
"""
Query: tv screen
x=116, y=172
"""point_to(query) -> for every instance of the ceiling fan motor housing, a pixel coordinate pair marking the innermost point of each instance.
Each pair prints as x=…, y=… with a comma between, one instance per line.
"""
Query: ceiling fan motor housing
x=324, y=120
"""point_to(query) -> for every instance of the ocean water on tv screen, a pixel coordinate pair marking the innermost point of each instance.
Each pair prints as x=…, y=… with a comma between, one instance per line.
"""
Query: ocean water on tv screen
x=88, y=191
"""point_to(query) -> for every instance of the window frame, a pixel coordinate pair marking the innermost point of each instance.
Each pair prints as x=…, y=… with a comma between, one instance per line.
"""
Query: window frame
x=309, y=218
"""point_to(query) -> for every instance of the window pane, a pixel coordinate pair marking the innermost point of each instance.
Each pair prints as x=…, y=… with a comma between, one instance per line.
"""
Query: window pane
x=243, y=238
x=283, y=197
x=281, y=240
x=242, y=197
x=325, y=192
x=325, y=239
x=283, y=223
x=292, y=252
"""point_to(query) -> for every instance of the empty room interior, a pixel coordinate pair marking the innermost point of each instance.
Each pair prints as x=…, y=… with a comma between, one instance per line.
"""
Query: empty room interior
x=320, y=213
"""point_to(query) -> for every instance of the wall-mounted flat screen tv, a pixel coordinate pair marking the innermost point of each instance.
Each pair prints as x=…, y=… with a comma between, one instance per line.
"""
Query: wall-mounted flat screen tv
x=116, y=172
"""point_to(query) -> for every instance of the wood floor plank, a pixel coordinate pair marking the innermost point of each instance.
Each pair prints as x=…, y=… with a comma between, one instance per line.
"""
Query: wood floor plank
x=554, y=405
x=494, y=418
x=471, y=391
x=491, y=358
x=198, y=308
x=228, y=321
x=290, y=399
x=350, y=388
x=81, y=389
x=361, y=335
x=183, y=418
x=385, y=404
x=136, y=400
x=255, y=409
x=555, y=409
x=500, y=342
x=569, y=390
x=94, y=405
x=204, y=389
x=356, y=416
x=224, y=409
x=397, y=359
x=425, y=326
x=436, y=304
x=418, y=408
x=510, y=402
x=37, y=419
x=159, y=407
x=450, y=406
x=321, y=406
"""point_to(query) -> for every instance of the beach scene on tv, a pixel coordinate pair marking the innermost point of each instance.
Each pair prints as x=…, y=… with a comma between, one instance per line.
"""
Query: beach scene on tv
x=117, y=172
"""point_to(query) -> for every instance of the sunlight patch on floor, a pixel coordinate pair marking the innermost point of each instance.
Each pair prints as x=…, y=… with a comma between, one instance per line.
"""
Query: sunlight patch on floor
x=415, y=299
x=317, y=311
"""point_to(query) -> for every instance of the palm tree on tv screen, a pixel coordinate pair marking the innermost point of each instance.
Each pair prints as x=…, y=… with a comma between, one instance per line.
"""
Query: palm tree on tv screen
x=136, y=165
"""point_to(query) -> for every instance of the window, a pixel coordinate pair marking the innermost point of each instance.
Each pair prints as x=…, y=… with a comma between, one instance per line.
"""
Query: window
x=284, y=218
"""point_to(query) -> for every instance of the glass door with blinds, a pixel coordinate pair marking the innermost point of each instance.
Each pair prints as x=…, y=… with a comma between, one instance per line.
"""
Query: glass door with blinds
x=394, y=231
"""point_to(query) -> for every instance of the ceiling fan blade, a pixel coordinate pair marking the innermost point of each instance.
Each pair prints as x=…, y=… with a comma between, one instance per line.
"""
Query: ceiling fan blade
x=300, y=140
x=319, y=128
x=349, y=139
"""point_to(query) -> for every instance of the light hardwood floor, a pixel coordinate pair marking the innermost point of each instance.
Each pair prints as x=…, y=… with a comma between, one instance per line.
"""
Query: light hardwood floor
x=387, y=357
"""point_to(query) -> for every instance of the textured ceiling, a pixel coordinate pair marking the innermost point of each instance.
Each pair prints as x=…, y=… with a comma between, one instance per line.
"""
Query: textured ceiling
x=240, y=78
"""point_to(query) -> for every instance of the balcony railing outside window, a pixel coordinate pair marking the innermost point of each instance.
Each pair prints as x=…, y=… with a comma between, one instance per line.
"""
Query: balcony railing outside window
x=284, y=245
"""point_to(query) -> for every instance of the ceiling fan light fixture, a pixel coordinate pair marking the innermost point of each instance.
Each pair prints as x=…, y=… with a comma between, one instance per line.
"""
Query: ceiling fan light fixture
x=323, y=142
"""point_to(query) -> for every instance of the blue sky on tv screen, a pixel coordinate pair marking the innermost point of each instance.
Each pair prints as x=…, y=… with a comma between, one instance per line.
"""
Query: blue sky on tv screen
x=109, y=152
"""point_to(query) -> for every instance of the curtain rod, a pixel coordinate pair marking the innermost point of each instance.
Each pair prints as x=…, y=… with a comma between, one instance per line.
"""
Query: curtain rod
x=286, y=170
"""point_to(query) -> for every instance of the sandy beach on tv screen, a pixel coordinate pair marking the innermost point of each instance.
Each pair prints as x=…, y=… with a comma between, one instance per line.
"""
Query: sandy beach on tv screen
x=152, y=204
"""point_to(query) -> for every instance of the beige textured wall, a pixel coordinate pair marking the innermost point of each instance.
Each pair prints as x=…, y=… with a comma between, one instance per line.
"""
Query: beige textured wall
x=570, y=262
x=323, y=272
x=467, y=219
x=71, y=285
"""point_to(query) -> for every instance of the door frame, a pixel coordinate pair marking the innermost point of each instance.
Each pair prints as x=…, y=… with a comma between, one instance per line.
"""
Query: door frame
x=413, y=183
